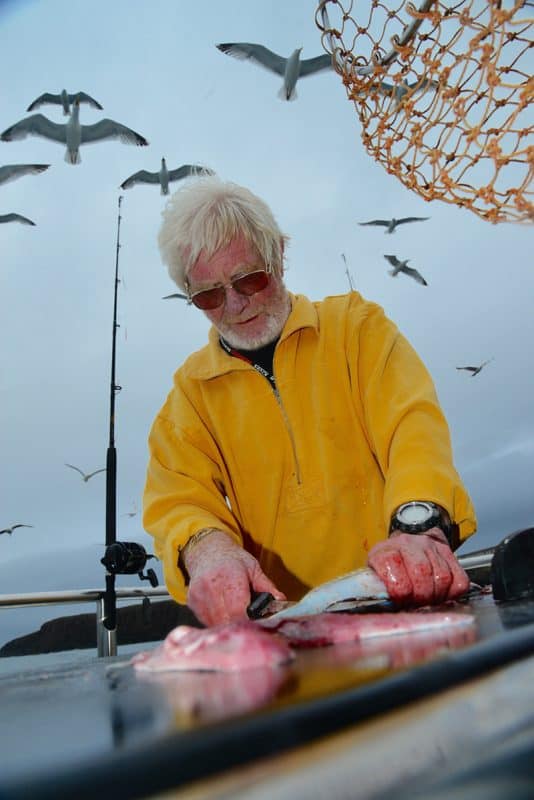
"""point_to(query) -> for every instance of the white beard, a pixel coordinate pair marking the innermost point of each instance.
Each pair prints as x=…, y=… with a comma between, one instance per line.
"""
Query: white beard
x=272, y=328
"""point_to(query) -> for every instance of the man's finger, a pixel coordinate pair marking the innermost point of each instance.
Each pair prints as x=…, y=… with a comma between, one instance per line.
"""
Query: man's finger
x=261, y=583
x=442, y=574
x=420, y=569
x=387, y=562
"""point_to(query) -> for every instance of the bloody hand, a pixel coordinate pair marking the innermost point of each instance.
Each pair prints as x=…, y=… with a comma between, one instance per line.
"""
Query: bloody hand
x=418, y=569
x=222, y=575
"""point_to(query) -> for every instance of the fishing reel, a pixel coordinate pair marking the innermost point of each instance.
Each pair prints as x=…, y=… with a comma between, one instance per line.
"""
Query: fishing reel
x=128, y=558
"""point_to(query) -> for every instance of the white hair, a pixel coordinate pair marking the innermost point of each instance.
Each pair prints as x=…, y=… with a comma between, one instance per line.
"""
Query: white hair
x=207, y=215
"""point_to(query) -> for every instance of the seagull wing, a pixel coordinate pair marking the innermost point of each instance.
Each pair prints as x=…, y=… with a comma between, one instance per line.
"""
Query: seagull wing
x=410, y=219
x=189, y=169
x=85, y=98
x=413, y=273
x=177, y=294
x=469, y=369
x=393, y=260
x=10, y=172
x=109, y=129
x=256, y=52
x=310, y=65
x=90, y=475
x=16, y=218
x=140, y=177
x=76, y=468
x=21, y=525
x=36, y=125
x=44, y=98
x=376, y=222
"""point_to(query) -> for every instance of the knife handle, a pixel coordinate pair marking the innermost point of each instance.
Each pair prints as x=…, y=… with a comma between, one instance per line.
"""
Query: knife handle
x=260, y=600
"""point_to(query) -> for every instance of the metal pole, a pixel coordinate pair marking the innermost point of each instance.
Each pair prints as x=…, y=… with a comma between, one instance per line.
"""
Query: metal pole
x=106, y=640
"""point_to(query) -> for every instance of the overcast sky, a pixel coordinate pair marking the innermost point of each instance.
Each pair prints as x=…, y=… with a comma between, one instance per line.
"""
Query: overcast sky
x=154, y=67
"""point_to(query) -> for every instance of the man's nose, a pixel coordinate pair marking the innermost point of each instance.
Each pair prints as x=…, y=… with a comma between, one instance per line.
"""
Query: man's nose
x=235, y=302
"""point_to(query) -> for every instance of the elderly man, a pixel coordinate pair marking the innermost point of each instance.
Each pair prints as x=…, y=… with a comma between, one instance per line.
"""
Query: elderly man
x=303, y=441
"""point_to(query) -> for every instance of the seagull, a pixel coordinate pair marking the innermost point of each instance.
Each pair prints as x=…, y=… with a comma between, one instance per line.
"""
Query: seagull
x=83, y=474
x=401, y=266
x=18, y=525
x=164, y=176
x=475, y=370
x=15, y=218
x=63, y=99
x=399, y=91
x=10, y=172
x=391, y=224
x=177, y=294
x=291, y=68
x=131, y=513
x=73, y=134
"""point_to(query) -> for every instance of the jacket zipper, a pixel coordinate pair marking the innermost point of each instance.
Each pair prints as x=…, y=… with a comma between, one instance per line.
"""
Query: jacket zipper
x=290, y=433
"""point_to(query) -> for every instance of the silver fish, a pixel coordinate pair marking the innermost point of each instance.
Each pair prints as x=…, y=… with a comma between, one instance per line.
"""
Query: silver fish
x=356, y=587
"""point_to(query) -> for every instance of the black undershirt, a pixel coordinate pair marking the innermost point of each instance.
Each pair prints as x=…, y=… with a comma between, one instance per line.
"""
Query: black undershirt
x=263, y=356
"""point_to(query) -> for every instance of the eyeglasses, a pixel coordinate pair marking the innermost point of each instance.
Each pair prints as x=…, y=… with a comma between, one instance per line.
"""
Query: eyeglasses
x=249, y=284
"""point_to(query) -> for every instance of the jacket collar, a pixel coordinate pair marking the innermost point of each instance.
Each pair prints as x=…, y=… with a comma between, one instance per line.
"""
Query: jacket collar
x=212, y=361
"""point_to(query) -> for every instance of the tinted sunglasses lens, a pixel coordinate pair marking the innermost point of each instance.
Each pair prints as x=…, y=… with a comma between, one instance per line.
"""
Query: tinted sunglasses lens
x=251, y=283
x=211, y=298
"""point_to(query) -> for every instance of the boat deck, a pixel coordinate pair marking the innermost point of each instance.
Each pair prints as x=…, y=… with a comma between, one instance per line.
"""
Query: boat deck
x=78, y=729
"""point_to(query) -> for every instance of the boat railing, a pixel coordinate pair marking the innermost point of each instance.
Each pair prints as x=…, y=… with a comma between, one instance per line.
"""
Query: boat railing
x=105, y=640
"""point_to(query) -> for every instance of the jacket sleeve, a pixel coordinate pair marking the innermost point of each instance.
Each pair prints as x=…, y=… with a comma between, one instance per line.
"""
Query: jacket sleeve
x=184, y=490
x=406, y=427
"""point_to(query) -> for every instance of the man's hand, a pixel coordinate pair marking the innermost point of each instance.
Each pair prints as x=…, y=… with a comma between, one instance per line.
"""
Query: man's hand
x=222, y=575
x=418, y=569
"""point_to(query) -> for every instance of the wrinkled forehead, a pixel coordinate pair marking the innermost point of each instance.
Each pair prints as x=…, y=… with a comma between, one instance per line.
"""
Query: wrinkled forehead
x=226, y=261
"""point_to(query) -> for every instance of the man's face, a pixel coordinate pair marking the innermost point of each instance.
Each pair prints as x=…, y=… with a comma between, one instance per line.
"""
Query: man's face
x=245, y=322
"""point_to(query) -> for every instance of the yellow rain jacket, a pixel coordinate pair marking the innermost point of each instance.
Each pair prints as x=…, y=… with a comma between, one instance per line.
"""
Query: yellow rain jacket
x=307, y=481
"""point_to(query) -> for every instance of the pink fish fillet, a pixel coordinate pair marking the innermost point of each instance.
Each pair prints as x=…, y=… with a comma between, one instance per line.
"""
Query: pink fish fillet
x=328, y=628
x=231, y=647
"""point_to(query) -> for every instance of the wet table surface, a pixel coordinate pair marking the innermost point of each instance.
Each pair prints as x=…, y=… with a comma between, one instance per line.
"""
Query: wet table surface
x=75, y=714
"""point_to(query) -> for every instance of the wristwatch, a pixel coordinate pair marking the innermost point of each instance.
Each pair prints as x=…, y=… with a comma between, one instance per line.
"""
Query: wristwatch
x=419, y=516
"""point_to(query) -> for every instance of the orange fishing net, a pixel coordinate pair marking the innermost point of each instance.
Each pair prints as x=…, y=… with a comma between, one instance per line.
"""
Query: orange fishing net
x=444, y=95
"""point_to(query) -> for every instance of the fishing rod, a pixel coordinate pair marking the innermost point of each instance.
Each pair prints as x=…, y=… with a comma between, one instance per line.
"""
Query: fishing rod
x=120, y=558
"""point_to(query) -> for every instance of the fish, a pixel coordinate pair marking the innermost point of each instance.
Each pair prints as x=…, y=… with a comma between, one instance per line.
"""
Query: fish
x=229, y=647
x=332, y=629
x=357, y=587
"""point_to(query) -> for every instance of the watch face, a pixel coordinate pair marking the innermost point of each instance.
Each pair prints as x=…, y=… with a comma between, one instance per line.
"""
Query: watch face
x=414, y=513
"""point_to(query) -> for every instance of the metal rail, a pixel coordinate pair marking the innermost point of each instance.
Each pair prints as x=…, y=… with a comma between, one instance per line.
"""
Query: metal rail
x=104, y=645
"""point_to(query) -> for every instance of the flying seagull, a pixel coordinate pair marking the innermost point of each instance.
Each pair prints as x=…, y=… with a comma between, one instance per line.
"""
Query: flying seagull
x=399, y=91
x=73, y=134
x=391, y=224
x=18, y=525
x=131, y=513
x=15, y=218
x=291, y=69
x=475, y=370
x=10, y=172
x=401, y=266
x=176, y=294
x=165, y=176
x=84, y=475
x=63, y=99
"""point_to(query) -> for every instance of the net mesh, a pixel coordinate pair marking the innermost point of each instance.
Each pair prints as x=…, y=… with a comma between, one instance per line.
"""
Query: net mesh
x=444, y=94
